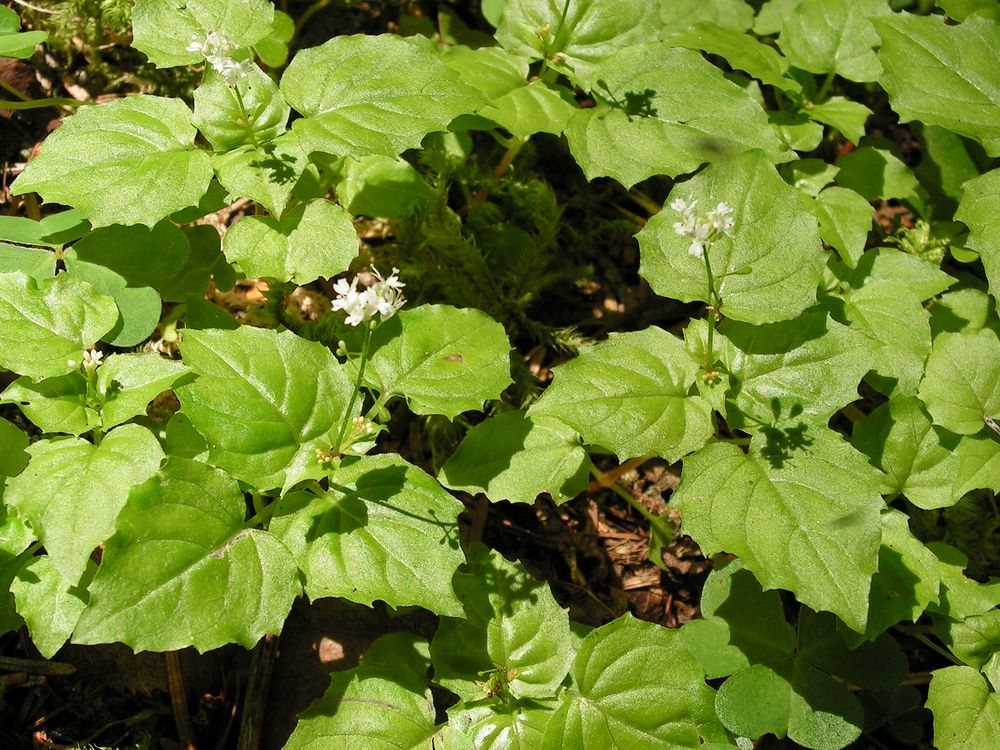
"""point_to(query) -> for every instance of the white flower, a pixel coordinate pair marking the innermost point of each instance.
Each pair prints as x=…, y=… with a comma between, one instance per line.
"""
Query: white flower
x=92, y=359
x=217, y=49
x=382, y=298
x=702, y=230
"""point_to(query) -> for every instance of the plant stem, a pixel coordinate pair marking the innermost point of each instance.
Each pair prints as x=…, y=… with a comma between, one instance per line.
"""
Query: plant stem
x=713, y=310
x=600, y=478
x=824, y=90
x=246, y=116
x=365, y=350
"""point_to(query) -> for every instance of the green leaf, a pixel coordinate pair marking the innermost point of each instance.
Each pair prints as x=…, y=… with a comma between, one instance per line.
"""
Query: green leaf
x=665, y=110
x=959, y=9
x=311, y=240
x=740, y=50
x=273, y=48
x=771, y=16
x=978, y=210
x=49, y=605
x=877, y=173
x=441, y=359
x=54, y=404
x=961, y=597
x=741, y=624
x=385, y=530
x=630, y=394
x=265, y=401
x=408, y=92
x=162, y=29
x=12, y=456
x=514, y=630
x=907, y=580
x=845, y=219
x=834, y=36
x=677, y=15
x=143, y=257
x=43, y=327
x=801, y=511
x=921, y=277
x=974, y=640
x=55, y=230
x=72, y=491
x=32, y=261
x=809, y=175
x=129, y=161
x=521, y=726
x=14, y=42
x=266, y=174
x=182, y=547
x=227, y=125
x=979, y=464
x=574, y=36
x=919, y=459
x=794, y=699
x=943, y=74
x=963, y=311
x=516, y=456
x=126, y=383
x=842, y=114
x=383, y=186
x=376, y=706
x=899, y=326
x=962, y=382
x=634, y=687
x=775, y=236
x=809, y=366
x=966, y=712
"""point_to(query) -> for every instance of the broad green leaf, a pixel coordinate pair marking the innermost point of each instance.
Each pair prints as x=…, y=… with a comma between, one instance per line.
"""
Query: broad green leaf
x=665, y=110
x=50, y=605
x=45, y=327
x=801, y=511
x=139, y=308
x=943, y=74
x=442, y=360
x=961, y=597
x=845, y=219
x=740, y=624
x=273, y=48
x=809, y=175
x=368, y=707
x=205, y=263
x=14, y=42
x=516, y=456
x=919, y=459
x=35, y=262
x=129, y=161
x=946, y=164
x=521, y=107
x=513, y=631
x=55, y=404
x=72, y=491
x=163, y=29
x=630, y=394
x=834, y=36
x=899, y=327
x=311, y=240
x=962, y=382
x=383, y=186
x=974, y=640
x=959, y=9
x=963, y=311
x=635, y=686
x=184, y=570
x=227, y=125
x=978, y=464
x=55, y=230
x=978, y=210
x=793, y=699
x=265, y=402
x=810, y=366
x=575, y=36
x=12, y=455
x=966, y=711
x=921, y=277
x=772, y=15
x=842, y=114
x=796, y=131
x=520, y=726
x=877, y=173
x=407, y=92
x=126, y=383
x=775, y=236
x=677, y=15
x=143, y=257
x=385, y=530
x=740, y=50
x=906, y=583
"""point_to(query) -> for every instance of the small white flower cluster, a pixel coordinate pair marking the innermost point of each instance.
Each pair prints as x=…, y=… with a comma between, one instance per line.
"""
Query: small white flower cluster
x=382, y=298
x=91, y=360
x=217, y=48
x=702, y=230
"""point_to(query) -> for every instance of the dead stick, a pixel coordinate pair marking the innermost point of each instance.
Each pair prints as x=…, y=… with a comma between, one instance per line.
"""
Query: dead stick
x=178, y=700
x=255, y=702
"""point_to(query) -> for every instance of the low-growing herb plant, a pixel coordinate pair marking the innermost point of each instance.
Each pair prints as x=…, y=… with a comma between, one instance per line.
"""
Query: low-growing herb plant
x=268, y=481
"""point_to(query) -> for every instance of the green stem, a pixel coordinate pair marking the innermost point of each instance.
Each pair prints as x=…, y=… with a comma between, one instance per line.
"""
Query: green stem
x=365, y=350
x=620, y=491
x=304, y=18
x=261, y=517
x=932, y=645
x=246, y=116
x=14, y=92
x=824, y=90
x=562, y=20
x=713, y=299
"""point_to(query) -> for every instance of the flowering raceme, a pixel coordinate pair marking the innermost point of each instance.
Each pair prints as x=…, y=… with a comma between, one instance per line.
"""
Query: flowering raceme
x=217, y=48
x=702, y=230
x=383, y=298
